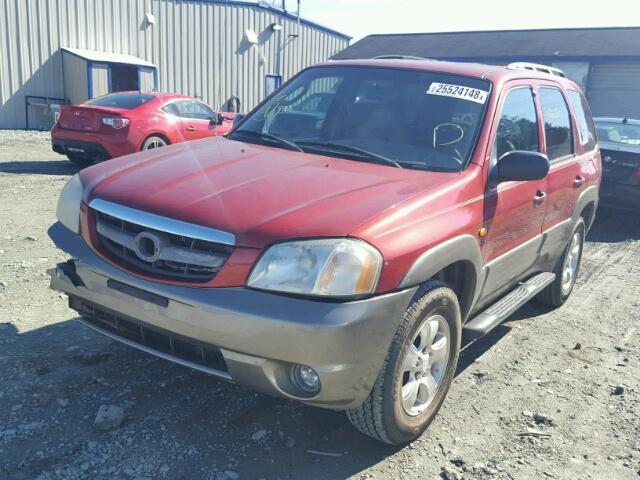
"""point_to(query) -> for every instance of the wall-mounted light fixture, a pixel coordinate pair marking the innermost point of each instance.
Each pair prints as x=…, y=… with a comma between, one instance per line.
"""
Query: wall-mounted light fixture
x=149, y=17
x=276, y=27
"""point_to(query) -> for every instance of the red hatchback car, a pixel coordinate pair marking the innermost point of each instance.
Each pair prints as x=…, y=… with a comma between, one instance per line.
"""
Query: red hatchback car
x=126, y=122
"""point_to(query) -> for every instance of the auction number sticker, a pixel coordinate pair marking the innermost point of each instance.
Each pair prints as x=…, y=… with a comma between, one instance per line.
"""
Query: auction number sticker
x=458, y=91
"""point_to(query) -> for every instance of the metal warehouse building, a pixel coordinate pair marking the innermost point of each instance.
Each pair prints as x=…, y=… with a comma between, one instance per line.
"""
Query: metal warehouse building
x=224, y=52
x=604, y=61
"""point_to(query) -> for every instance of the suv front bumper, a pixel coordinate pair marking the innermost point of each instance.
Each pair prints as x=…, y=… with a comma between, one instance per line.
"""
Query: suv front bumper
x=260, y=336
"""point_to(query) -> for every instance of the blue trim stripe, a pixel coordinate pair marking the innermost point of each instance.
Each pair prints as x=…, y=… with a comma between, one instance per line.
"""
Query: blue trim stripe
x=90, y=80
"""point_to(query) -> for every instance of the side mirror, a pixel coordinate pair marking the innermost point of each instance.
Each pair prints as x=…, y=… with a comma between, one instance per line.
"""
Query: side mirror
x=217, y=120
x=520, y=165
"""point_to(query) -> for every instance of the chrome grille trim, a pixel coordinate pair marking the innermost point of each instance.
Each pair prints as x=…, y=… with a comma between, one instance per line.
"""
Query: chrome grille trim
x=171, y=253
x=163, y=224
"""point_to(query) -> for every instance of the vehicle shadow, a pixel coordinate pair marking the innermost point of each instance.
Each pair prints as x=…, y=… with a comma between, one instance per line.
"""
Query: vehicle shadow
x=39, y=167
x=613, y=226
x=54, y=379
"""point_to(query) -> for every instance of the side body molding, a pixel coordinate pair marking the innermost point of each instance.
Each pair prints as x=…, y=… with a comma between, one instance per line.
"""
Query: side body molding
x=464, y=248
x=590, y=195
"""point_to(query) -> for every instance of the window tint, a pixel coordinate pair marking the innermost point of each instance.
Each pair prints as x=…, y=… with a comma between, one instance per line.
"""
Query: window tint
x=557, y=123
x=518, y=127
x=192, y=109
x=121, y=100
x=583, y=117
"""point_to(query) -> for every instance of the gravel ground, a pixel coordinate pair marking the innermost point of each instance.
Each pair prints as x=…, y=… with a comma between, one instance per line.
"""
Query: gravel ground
x=550, y=394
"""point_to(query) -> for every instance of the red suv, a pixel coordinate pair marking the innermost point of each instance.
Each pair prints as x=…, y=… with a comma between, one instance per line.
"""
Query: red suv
x=337, y=252
x=127, y=122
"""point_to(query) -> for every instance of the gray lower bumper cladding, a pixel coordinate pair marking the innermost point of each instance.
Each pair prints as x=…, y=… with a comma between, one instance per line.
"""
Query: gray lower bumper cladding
x=250, y=337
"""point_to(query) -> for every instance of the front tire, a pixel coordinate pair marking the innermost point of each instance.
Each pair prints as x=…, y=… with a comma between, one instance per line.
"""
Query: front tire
x=566, y=269
x=417, y=370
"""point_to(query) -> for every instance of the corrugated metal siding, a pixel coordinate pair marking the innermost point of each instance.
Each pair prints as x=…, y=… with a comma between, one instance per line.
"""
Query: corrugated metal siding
x=197, y=46
x=613, y=89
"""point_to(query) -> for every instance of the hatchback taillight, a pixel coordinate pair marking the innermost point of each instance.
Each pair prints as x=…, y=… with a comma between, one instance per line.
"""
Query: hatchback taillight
x=115, y=122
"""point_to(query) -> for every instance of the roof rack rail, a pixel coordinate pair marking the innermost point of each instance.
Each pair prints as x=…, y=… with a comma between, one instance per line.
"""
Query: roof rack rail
x=536, y=67
x=398, y=57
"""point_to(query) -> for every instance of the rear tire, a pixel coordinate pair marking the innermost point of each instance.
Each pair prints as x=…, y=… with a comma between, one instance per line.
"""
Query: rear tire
x=417, y=370
x=566, y=269
x=154, y=142
x=80, y=162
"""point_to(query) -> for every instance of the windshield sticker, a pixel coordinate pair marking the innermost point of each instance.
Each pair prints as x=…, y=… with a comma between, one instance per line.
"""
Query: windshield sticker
x=458, y=91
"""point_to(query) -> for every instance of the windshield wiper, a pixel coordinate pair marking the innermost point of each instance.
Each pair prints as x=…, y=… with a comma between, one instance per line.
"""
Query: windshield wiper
x=268, y=136
x=339, y=147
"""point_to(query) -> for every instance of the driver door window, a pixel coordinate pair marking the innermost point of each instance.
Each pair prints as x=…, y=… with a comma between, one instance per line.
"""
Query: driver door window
x=518, y=127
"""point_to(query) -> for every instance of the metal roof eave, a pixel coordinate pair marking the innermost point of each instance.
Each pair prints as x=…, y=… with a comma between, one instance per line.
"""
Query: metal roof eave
x=96, y=56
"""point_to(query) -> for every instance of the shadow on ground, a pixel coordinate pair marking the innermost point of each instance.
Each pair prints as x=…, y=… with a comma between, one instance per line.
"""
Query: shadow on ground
x=39, y=167
x=614, y=226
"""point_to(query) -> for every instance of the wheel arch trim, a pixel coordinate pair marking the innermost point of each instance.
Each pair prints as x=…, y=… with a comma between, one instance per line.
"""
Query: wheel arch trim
x=464, y=248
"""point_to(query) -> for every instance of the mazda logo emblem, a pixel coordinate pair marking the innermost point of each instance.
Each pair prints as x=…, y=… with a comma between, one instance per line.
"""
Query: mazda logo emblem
x=147, y=246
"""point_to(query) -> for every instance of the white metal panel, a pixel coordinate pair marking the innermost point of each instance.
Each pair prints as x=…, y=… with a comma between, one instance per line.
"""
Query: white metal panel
x=194, y=43
x=76, y=86
x=146, y=78
x=613, y=89
x=99, y=79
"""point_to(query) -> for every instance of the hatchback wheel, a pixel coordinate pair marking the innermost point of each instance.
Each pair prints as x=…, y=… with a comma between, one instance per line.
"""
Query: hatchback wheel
x=417, y=371
x=154, y=142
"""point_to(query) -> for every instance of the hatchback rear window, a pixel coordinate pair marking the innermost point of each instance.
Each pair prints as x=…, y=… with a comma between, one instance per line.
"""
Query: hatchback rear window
x=128, y=101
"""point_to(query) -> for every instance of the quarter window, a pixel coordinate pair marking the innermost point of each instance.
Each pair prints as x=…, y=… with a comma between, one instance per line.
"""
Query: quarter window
x=557, y=123
x=518, y=127
x=583, y=117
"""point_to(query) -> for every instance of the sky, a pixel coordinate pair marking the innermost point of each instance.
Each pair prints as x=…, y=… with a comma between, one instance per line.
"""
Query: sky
x=359, y=18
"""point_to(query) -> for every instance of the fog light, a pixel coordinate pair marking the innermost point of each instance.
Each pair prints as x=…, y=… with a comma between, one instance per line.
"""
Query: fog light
x=306, y=378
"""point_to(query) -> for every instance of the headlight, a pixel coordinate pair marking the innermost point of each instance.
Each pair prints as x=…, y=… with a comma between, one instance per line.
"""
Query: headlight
x=327, y=267
x=68, y=211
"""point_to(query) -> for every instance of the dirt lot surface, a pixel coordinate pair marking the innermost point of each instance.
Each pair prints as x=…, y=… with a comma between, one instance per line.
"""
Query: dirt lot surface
x=550, y=394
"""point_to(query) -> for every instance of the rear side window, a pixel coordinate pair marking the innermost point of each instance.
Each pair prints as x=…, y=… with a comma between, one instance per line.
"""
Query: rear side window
x=518, y=127
x=128, y=101
x=583, y=117
x=557, y=123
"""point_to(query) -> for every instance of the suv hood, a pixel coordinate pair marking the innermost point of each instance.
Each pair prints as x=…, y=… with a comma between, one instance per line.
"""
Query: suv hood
x=260, y=194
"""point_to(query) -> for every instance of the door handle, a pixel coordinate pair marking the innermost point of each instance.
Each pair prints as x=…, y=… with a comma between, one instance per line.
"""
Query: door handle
x=539, y=198
x=190, y=128
x=578, y=181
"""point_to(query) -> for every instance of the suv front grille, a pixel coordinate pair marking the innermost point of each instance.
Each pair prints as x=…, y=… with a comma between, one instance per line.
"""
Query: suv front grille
x=161, y=253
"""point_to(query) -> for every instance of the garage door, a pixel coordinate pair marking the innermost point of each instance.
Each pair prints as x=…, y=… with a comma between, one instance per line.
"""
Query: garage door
x=614, y=89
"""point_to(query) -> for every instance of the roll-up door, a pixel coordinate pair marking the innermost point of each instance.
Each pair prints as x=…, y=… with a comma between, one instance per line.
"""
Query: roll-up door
x=613, y=89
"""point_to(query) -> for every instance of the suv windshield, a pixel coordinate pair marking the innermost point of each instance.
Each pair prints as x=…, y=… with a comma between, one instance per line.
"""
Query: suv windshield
x=623, y=133
x=128, y=101
x=401, y=118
